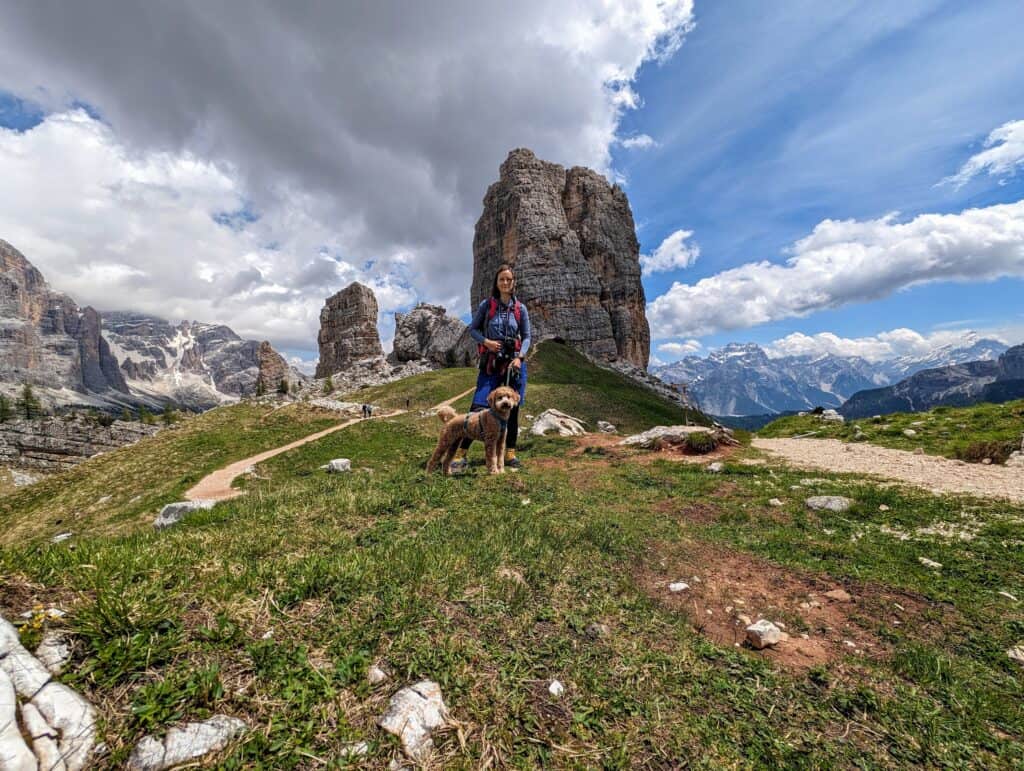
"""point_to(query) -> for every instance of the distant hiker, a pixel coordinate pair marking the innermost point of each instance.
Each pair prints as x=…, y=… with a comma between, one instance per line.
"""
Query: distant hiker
x=369, y=410
x=501, y=328
x=406, y=405
x=366, y=410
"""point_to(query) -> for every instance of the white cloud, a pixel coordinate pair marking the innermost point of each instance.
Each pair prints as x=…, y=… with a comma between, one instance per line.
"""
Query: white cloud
x=671, y=254
x=638, y=142
x=1003, y=156
x=681, y=349
x=843, y=262
x=136, y=231
x=374, y=130
x=874, y=348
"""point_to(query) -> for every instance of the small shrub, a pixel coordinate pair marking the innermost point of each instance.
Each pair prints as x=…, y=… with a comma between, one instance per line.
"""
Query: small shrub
x=700, y=442
x=997, y=450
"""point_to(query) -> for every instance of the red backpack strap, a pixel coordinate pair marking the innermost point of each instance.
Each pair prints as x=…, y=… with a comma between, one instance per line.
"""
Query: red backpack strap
x=517, y=312
x=492, y=308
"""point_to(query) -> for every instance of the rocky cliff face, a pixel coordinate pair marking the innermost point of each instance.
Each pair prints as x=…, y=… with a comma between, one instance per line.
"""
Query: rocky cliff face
x=45, y=339
x=571, y=238
x=109, y=360
x=272, y=368
x=348, y=330
x=58, y=443
x=427, y=332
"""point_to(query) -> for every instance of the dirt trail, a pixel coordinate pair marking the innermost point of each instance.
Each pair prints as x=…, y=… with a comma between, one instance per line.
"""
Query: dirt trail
x=939, y=475
x=217, y=485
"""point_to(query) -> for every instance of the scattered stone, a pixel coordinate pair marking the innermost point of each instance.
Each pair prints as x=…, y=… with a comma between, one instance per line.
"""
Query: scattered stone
x=173, y=513
x=1016, y=653
x=775, y=502
x=716, y=467
x=23, y=479
x=849, y=643
x=839, y=595
x=605, y=427
x=337, y=466
x=929, y=563
x=883, y=507
x=986, y=461
x=559, y=422
x=60, y=537
x=54, y=651
x=909, y=432
x=596, y=631
x=763, y=634
x=354, y=750
x=556, y=689
x=412, y=715
x=744, y=619
x=180, y=745
x=375, y=675
x=831, y=416
x=836, y=503
x=678, y=586
x=1008, y=596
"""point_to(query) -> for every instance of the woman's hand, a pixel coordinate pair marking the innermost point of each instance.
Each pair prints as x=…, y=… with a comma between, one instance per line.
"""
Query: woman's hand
x=492, y=345
x=517, y=363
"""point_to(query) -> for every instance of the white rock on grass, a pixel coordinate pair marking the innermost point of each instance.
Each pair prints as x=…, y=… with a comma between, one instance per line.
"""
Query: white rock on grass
x=54, y=651
x=412, y=715
x=1017, y=653
x=337, y=466
x=180, y=745
x=929, y=563
x=74, y=720
x=678, y=586
x=670, y=434
x=716, y=468
x=354, y=750
x=559, y=422
x=605, y=427
x=836, y=503
x=556, y=689
x=763, y=634
x=61, y=537
x=173, y=513
x=775, y=502
x=909, y=432
x=14, y=752
x=375, y=675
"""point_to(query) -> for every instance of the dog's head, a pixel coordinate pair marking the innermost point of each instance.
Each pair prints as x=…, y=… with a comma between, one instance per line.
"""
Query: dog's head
x=502, y=400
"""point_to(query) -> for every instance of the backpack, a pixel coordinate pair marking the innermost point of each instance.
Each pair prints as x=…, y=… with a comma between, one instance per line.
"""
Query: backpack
x=492, y=311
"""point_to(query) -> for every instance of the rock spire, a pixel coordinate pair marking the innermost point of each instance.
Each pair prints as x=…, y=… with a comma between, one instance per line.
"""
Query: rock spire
x=348, y=329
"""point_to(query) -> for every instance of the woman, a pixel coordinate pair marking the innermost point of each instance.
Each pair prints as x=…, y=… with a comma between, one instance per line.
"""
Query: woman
x=501, y=328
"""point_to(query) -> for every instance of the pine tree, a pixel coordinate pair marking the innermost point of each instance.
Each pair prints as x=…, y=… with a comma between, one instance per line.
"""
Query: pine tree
x=328, y=385
x=260, y=387
x=28, y=404
x=126, y=414
x=146, y=416
x=169, y=417
x=283, y=387
x=5, y=409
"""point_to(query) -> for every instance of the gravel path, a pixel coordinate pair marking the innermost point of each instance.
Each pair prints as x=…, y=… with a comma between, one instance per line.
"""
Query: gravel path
x=939, y=475
x=217, y=486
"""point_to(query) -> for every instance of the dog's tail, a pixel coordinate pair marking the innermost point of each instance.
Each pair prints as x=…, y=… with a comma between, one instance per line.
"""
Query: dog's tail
x=446, y=413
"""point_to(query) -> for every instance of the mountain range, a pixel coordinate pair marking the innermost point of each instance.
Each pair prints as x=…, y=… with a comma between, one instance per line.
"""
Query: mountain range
x=741, y=378
x=82, y=357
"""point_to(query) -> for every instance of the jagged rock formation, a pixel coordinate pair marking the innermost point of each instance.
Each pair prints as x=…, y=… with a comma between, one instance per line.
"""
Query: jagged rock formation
x=428, y=332
x=115, y=359
x=956, y=386
x=348, y=330
x=58, y=443
x=45, y=339
x=272, y=367
x=571, y=237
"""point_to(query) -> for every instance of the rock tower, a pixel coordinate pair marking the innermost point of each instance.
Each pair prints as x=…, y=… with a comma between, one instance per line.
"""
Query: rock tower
x=348, y=329
x=571, y=238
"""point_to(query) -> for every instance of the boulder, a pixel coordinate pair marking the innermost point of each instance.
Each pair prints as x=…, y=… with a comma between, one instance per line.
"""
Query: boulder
x=337, y=466
x=559, y=422
x=428, y=332
x=571, y=238
x=716, y=467
x=173, y=513
x=412, y=715
x=659, y=435
x=835, y=503
x=348, y=330
x=763, y=634
x=605, y=427
x=180, y=745
x=14, y=752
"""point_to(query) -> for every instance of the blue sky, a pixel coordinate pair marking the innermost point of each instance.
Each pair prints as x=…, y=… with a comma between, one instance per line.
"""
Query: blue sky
x=243, y=168
x=768, y=123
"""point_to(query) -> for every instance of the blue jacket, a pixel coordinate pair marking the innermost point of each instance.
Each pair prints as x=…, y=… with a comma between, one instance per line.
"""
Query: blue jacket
x=503, y=324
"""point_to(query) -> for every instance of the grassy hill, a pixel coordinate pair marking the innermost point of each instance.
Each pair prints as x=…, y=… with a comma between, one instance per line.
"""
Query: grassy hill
x=968, y=433
x=272, y=606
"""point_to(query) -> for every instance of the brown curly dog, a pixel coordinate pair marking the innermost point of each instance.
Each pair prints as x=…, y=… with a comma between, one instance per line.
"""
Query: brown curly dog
x=488, y=425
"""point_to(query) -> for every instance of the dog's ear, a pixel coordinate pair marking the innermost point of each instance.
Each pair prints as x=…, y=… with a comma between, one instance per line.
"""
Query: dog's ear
x=492, y=397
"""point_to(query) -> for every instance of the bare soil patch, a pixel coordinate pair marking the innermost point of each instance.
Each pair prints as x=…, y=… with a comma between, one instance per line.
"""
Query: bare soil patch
x=730, y=589
x=939, y=475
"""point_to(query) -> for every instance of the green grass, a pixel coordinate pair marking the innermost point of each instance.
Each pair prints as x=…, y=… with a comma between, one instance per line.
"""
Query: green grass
x=272, y=607
x=968, y=433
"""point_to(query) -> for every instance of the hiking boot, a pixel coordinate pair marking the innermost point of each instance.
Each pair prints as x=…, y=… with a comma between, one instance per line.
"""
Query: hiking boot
x=459, y=463
x=511, y=461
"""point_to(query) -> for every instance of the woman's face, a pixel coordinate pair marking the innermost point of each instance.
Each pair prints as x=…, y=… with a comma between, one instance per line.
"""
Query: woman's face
x=506, y=281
